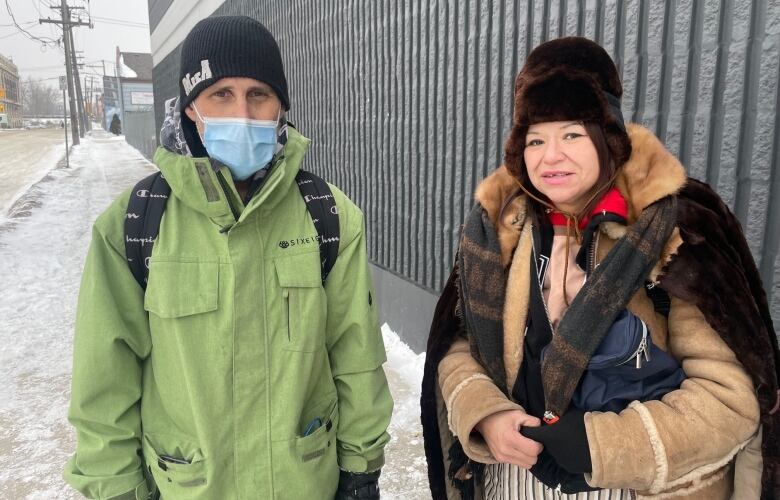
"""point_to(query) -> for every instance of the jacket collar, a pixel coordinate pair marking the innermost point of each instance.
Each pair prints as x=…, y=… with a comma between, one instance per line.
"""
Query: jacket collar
x=196, y=183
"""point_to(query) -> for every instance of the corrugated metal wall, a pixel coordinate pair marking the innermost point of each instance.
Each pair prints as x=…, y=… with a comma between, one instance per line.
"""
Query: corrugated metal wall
x=140, y=131
x=408, y=103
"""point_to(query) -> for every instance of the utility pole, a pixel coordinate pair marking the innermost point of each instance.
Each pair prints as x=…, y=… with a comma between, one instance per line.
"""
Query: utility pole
x=63, y=86
x=66, y=24
x=79, y=95
x=87, y=96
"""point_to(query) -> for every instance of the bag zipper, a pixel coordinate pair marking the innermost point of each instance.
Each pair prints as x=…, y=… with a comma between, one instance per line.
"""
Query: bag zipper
x=642, y=349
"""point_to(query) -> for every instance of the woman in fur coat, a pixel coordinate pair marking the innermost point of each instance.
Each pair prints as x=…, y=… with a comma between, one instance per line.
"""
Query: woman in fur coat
x=591, y=221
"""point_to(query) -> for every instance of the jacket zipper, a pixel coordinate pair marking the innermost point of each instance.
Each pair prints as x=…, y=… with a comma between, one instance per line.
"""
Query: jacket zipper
x=286, y=295
x=592, y=254
x=541, y=293
x=226, y=189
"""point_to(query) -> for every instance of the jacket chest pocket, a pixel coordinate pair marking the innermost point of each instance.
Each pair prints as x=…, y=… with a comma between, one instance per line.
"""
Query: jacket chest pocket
x=181, y=289
x=303, y=302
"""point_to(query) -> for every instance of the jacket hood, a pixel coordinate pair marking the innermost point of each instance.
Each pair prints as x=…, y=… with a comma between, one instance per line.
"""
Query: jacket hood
x=171, y=133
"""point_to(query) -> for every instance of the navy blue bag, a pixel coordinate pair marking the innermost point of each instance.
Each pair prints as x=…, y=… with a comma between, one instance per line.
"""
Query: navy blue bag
x=626, y=367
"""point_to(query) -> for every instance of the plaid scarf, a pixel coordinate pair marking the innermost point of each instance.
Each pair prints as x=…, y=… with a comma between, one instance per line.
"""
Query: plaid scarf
x=607, y=292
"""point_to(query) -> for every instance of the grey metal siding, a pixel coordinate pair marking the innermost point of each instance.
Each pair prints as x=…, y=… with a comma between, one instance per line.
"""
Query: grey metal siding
x=157, y=9
x=139, y=129
x=408, y=103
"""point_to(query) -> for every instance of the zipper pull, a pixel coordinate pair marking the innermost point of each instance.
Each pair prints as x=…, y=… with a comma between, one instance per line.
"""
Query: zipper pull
x=642, y=349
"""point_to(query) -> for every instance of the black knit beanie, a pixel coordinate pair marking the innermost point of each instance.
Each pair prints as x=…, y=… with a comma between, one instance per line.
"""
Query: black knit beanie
x=222, y=47
x=225, y=46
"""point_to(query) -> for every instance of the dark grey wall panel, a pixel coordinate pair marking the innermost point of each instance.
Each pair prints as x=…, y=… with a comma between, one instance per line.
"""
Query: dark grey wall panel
x=139, y=129
x=157, y=9
x=408, y=103
x=165, y=78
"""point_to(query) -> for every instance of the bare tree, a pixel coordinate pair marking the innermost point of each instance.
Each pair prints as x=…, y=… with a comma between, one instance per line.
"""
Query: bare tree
x=40, y=99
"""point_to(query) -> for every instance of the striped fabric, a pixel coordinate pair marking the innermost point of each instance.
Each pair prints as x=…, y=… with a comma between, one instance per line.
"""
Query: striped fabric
x=510, y=482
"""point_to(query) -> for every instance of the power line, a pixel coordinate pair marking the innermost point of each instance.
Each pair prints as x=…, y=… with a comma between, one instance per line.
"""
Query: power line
x=45, y=41
x=120, y=22
x=27, y=24
x=40, y=68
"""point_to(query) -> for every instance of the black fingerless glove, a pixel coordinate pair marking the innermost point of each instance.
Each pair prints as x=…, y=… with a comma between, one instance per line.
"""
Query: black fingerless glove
x=358, y=486
x=566, y=440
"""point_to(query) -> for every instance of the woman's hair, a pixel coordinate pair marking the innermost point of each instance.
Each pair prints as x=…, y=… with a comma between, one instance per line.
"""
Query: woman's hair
x=607, y=170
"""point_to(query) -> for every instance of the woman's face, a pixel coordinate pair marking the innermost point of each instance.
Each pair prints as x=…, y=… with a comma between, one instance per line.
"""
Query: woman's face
x=562, y=163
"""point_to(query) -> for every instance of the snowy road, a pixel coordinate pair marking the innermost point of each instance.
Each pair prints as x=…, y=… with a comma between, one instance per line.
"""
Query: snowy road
x=42, y=246
x=27, y=155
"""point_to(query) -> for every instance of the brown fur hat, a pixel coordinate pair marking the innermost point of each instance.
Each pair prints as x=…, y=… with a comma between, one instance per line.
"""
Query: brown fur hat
x=567, y=79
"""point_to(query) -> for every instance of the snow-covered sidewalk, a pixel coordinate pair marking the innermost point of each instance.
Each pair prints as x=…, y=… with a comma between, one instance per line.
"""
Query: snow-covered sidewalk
x=42, y=246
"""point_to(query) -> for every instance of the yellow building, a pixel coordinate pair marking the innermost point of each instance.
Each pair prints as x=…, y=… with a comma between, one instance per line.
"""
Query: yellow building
x=10, y=98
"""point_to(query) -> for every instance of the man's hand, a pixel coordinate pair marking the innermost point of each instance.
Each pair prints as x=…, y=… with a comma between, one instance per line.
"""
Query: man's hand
x=502, y=435
x=358, y=486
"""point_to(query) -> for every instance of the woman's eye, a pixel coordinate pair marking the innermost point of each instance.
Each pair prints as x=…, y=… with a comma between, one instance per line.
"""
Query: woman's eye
x=571, y=136
x=534, y=142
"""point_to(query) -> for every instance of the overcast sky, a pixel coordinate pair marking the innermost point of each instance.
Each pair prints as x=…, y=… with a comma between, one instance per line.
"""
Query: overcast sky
x=123, y=23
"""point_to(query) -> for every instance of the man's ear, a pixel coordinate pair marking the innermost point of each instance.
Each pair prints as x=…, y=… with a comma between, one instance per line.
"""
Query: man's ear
x=191, y=113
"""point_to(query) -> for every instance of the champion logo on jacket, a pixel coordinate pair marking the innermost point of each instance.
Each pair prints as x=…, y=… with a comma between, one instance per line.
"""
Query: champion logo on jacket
x=189, y=82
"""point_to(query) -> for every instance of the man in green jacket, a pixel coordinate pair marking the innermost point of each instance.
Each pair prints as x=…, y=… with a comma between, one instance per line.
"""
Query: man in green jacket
x=237, y=373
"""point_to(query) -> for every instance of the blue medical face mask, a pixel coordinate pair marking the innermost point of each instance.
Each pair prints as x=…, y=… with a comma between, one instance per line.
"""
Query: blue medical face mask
x=244, y=145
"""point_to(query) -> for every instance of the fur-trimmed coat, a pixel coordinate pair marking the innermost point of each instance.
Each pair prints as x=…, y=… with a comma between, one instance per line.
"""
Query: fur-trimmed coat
x=702, y=441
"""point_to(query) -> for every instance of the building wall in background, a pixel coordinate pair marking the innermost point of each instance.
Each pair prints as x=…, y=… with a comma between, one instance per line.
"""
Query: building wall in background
x=10, y=97
x=408, y=104
x=141, y=131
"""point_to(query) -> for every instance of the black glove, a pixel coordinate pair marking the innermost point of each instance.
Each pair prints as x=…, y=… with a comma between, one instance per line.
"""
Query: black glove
x=547, y=470
x=565, y=440
x=358, y=486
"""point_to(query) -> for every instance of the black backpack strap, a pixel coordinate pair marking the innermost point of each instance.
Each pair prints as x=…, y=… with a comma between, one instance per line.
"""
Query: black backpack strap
x=324, y=213
x=142, y=223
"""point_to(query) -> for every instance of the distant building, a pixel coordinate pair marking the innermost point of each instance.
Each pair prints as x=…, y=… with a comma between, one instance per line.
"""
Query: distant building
x=10, y=98
x=131, y=96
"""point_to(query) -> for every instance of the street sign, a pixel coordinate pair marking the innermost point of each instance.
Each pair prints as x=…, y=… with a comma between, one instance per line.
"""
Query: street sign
x=63, y=83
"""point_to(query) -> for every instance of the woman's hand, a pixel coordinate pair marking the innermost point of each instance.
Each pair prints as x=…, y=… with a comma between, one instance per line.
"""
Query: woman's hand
x=502, y=434
x=566, y=441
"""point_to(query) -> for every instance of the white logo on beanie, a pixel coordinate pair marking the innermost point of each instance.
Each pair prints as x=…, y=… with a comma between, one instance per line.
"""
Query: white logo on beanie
x=189, y=82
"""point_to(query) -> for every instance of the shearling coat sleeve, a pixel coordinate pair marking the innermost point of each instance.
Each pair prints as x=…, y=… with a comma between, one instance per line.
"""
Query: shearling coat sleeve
x=690, y=433
x=470, y=395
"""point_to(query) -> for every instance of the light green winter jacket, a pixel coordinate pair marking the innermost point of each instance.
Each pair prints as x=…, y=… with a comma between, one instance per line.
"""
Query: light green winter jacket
x=234, y=349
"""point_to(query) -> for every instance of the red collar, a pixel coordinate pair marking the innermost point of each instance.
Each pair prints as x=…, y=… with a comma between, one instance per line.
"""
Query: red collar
x=612, y=202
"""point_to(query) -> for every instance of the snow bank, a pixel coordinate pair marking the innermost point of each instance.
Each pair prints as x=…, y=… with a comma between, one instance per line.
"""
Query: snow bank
x=404, y=476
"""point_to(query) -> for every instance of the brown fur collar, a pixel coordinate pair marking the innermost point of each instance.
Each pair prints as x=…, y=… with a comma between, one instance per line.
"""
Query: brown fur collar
x=651, y=173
